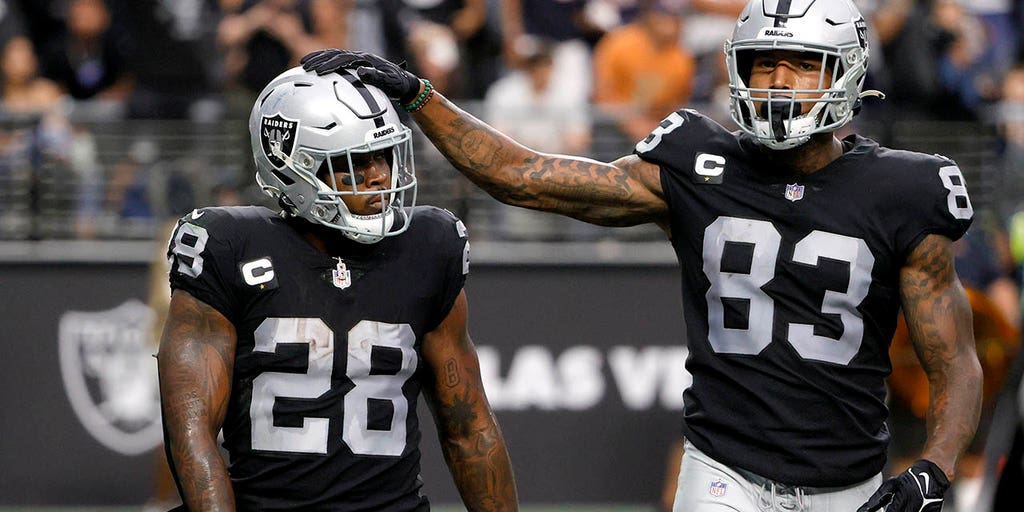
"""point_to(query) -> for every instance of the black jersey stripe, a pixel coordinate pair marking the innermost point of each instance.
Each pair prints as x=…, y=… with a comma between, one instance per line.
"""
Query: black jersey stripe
x=367, y=97
x=782, y=13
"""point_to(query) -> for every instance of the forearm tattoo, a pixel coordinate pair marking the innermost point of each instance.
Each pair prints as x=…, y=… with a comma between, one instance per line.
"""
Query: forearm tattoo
x=196, y=360
x=939, y=317
x=474, y=448
x=592, y=191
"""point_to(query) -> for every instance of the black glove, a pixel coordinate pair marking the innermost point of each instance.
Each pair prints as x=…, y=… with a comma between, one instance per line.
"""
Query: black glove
x=391, y=78
x=918, y=489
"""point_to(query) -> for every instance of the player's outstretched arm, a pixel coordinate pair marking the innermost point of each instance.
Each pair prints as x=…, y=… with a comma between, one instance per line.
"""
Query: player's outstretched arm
x=470, y=437
x=939, y=317
x=625, y=192
x=196, y=360
x=621, y=193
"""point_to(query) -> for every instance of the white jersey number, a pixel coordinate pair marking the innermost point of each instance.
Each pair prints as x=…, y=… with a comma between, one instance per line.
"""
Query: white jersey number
x=189, y=241
x=312, y=436
x=667, y=125
x=765, y=241
x=957, y=189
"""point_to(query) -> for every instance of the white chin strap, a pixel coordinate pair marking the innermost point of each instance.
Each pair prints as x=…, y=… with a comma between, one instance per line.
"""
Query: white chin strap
x=369, y=229
x=798, y=131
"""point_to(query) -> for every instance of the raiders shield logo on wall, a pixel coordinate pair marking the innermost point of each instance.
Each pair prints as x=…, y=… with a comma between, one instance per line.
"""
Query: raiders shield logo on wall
x=278, y=130
x=110, y=375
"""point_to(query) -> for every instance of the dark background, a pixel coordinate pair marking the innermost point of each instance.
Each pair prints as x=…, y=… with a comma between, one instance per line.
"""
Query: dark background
x=608, y=453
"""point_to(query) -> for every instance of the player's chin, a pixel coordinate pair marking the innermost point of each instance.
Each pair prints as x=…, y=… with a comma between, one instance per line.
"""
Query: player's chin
x=368, y=209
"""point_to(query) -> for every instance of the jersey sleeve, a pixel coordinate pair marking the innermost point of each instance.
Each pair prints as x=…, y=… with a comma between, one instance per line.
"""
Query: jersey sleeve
x=934, y=200
x=677, y=136
x=202, y=260
x=452, y=240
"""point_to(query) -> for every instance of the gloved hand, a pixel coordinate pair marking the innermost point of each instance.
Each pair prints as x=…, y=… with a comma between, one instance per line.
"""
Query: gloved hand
x=918, y=489
x=389, y=77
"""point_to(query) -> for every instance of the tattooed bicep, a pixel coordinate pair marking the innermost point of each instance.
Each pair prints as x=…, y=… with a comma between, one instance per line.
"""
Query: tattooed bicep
x=935, y=305
x=190, y=320
x=196, y=361
x=930, y=265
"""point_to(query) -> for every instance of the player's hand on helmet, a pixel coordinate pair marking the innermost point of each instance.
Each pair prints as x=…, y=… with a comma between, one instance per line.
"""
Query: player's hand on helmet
x=918, y=489
x=389, y=77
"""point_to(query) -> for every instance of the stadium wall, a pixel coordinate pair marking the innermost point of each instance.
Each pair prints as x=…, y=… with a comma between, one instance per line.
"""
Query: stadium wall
x=583, y=364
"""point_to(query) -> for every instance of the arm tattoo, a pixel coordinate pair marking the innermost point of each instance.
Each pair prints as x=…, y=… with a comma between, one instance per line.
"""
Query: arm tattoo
x=195, y=364
x=451, y=373
x=591, y=191
x=471, y=441
x=939, y=317
x=474, y=448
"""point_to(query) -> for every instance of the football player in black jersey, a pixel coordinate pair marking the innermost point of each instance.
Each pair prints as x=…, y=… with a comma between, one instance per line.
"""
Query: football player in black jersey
x=797, y=251
x=306, y=336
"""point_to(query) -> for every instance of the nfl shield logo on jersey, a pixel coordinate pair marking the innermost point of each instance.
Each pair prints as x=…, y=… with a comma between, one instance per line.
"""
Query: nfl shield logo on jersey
x=794, y=192
x=110, y=375
x=342, y=275
x=717, y=488
x=278, y=131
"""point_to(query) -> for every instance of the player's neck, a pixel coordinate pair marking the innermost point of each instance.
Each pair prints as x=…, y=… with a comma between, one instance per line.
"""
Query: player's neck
x=807, y=158
x=331, y=241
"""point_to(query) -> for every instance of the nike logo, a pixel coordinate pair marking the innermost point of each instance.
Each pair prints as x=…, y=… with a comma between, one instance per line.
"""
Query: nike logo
x=924, y=490
x=196, y=214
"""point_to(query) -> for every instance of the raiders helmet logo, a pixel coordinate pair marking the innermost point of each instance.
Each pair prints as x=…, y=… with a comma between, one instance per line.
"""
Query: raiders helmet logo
x=279, y=131
x=862, y=32
x=110, y=375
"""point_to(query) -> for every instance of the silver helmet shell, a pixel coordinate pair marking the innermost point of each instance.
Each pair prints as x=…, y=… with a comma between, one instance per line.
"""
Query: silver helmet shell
x=833, y=29
x=303, y=125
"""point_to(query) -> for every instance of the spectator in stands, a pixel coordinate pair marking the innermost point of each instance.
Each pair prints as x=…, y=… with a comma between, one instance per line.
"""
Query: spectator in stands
x=708, y=23
x=641, y=70
x=24, y=91
x=251, y=55
x=169, y=53
x=1001, y=36
x=1009, y=115
x=436, y=53
x=11, y=23
x=526, y=105
x=452, y=43
x=262, y=38
x=88, y=61
x=980, y=266
x=560, y=21
x=966, y=61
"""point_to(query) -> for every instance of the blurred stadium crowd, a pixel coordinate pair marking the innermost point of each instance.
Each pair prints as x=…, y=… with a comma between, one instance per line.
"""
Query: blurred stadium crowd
x=116, y=115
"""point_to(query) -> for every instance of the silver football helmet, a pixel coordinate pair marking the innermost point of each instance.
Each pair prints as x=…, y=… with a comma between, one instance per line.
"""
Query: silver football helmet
x=833, y=29
x=304, y=128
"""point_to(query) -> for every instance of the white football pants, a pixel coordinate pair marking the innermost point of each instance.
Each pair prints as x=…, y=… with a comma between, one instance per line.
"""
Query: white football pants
x=706, y=485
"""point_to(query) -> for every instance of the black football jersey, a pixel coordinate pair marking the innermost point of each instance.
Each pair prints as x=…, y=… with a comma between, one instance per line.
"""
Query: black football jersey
x=322, y=413
x=791, y=293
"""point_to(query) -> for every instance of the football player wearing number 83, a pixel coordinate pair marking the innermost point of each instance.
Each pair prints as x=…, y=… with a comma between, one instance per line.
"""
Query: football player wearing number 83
x=307, y=335
x=797, y=249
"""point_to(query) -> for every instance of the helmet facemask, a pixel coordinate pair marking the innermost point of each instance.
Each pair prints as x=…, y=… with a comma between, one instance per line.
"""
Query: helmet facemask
x=367, y=228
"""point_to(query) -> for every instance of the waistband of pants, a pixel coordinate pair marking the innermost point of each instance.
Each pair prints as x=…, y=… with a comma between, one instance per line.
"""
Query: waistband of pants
x=761, y=481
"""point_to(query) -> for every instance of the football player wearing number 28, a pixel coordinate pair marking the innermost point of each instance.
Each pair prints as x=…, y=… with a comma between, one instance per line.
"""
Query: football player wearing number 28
x=308, y=334
x=797, y=250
